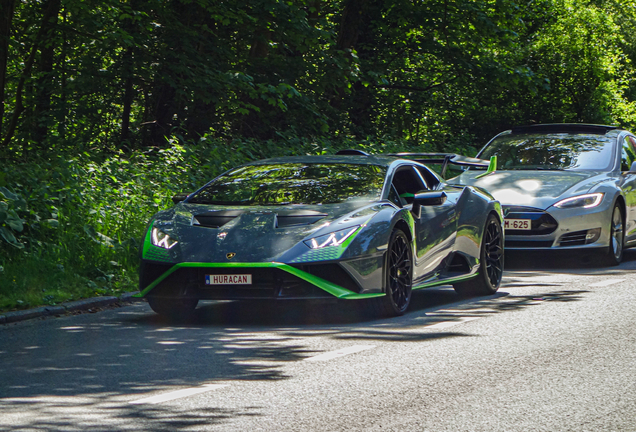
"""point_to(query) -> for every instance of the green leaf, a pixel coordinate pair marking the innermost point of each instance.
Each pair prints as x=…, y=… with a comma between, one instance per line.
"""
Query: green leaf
x=10, y=238
x=14, y=221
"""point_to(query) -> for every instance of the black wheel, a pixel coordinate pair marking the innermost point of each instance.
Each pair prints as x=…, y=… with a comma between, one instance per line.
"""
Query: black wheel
x=399, y=277
x=491, y=262
x=173, y=308
x=614, y=254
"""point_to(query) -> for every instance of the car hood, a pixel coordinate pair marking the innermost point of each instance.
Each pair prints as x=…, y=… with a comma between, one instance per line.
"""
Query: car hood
x=532, y=188
x=208, y=233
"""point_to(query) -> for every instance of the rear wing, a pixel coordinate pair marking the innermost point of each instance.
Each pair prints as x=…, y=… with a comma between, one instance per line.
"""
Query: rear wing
x=450, y=158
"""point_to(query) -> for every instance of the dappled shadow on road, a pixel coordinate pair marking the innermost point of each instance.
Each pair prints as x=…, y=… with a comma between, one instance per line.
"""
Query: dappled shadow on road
x=564, y=262
x=58, y=370
x=104, y=413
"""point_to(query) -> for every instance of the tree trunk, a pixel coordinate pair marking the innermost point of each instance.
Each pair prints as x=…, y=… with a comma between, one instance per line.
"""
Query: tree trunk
x=128, y=96
x=6, y=17
x=45, y=82
x=51, y=9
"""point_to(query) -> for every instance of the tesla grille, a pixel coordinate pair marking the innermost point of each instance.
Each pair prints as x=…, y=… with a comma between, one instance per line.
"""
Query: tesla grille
x=541, y=221
x=528, y=244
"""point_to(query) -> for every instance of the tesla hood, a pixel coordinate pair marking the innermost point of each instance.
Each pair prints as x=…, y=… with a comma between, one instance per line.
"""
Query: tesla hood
x=531, y=188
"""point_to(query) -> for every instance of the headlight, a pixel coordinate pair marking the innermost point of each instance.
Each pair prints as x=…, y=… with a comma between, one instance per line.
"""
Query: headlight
x=332, y=239
x=161, y=239
x=585, y=201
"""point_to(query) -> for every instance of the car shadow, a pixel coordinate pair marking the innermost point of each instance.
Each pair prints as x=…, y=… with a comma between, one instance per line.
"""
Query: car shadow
x=567, y=262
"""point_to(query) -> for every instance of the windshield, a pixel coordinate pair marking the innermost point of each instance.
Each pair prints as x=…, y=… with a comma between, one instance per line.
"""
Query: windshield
x=551, y=152
x=294, y=183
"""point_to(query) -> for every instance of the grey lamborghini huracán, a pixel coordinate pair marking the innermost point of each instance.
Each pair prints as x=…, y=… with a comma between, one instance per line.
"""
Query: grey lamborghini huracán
x=344, y=227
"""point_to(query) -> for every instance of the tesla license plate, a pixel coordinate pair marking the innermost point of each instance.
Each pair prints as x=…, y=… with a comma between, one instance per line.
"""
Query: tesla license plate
x=236, y=279
x=517, y=224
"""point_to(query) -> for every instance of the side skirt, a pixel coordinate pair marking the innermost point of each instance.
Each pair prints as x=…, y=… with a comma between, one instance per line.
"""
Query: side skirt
x=445, y=281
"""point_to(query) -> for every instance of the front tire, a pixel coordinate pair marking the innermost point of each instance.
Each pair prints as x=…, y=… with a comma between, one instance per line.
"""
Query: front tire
x=491, y=262
x=399, y=277
x=614, y=254
x=173, y=308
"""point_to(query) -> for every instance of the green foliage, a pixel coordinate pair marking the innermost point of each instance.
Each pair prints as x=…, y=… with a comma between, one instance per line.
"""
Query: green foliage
x=110, y=107
x=76, y=223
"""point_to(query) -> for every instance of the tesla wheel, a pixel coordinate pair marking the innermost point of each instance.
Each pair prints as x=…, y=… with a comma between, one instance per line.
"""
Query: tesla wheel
x=491, y=262
x=614, y=254
x=173, y=308
x=399, y=276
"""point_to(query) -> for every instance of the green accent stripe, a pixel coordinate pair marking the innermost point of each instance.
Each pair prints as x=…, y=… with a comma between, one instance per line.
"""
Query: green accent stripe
x=445, y=281
x=333, y=289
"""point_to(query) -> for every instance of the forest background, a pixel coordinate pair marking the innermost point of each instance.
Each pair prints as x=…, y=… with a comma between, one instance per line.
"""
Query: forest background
x=109, y=107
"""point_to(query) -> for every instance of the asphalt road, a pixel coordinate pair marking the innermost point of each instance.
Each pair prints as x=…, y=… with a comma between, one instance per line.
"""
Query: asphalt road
x=554, y=350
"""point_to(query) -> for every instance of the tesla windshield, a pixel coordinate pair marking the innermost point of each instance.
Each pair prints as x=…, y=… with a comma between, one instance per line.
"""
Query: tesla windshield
x=293, y=183
x=551, y=152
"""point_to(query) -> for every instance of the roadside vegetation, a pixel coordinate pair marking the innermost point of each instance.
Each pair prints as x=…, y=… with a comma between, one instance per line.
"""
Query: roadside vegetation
x=108, y=108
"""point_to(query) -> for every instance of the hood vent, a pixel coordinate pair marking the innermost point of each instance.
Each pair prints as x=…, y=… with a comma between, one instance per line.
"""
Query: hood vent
x=284, y=218
x=215, y=219
x=289, y=218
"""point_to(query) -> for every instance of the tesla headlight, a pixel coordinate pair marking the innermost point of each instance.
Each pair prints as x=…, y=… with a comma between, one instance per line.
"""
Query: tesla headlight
x=161, y=239
x=584, y=201
x=335, y=238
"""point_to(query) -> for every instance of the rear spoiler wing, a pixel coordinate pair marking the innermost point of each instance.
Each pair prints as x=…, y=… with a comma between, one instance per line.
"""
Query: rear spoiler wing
x=451, y=158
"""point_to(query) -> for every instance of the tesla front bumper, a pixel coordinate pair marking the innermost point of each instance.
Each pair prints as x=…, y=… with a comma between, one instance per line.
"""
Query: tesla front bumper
x=555, y=228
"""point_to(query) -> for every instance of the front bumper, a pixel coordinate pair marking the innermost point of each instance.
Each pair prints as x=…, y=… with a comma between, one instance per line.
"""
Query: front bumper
x=560, y=228
x=271, y=280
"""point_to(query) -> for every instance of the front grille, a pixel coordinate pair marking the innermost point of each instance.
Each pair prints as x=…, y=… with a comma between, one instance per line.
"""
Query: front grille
x=332, y=273
x=528, y=244
x=542, y=222
x=267, y=283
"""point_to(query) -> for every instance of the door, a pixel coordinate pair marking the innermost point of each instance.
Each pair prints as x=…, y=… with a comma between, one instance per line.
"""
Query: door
x=436, y=226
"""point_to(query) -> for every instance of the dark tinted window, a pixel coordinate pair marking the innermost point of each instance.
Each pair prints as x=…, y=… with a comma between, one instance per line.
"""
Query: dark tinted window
x=395, y=198
x=408, y=182
x=552, y=151
x=294, y=183
x=628, y=155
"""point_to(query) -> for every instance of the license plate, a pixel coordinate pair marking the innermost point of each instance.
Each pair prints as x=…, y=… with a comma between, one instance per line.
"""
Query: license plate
x=236, y=279
x=517, y=224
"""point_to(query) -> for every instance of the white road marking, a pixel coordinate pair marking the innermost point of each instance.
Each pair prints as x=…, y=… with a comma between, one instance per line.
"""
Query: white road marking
x=178, y=394
x=340, y=353
x=446, y=324
x=607, y=283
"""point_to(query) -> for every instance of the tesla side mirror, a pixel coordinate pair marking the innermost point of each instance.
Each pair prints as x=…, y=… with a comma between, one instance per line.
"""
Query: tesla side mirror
x=633, y=167
x=180, y=197
x=427, y=198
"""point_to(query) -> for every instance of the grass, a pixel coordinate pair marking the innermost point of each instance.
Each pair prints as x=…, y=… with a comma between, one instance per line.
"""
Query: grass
x=70, y=227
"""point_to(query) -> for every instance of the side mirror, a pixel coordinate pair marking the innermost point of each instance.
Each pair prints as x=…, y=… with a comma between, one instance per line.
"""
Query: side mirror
x=427, y=198
x=180, y=197
x=632, y=169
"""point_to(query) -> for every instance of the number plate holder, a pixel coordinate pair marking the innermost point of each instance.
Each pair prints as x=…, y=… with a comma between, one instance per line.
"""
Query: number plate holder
x=228, y=279
x=518, y=224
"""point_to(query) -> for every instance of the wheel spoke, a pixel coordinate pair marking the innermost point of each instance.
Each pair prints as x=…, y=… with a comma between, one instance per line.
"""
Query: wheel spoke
x=400, y=272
